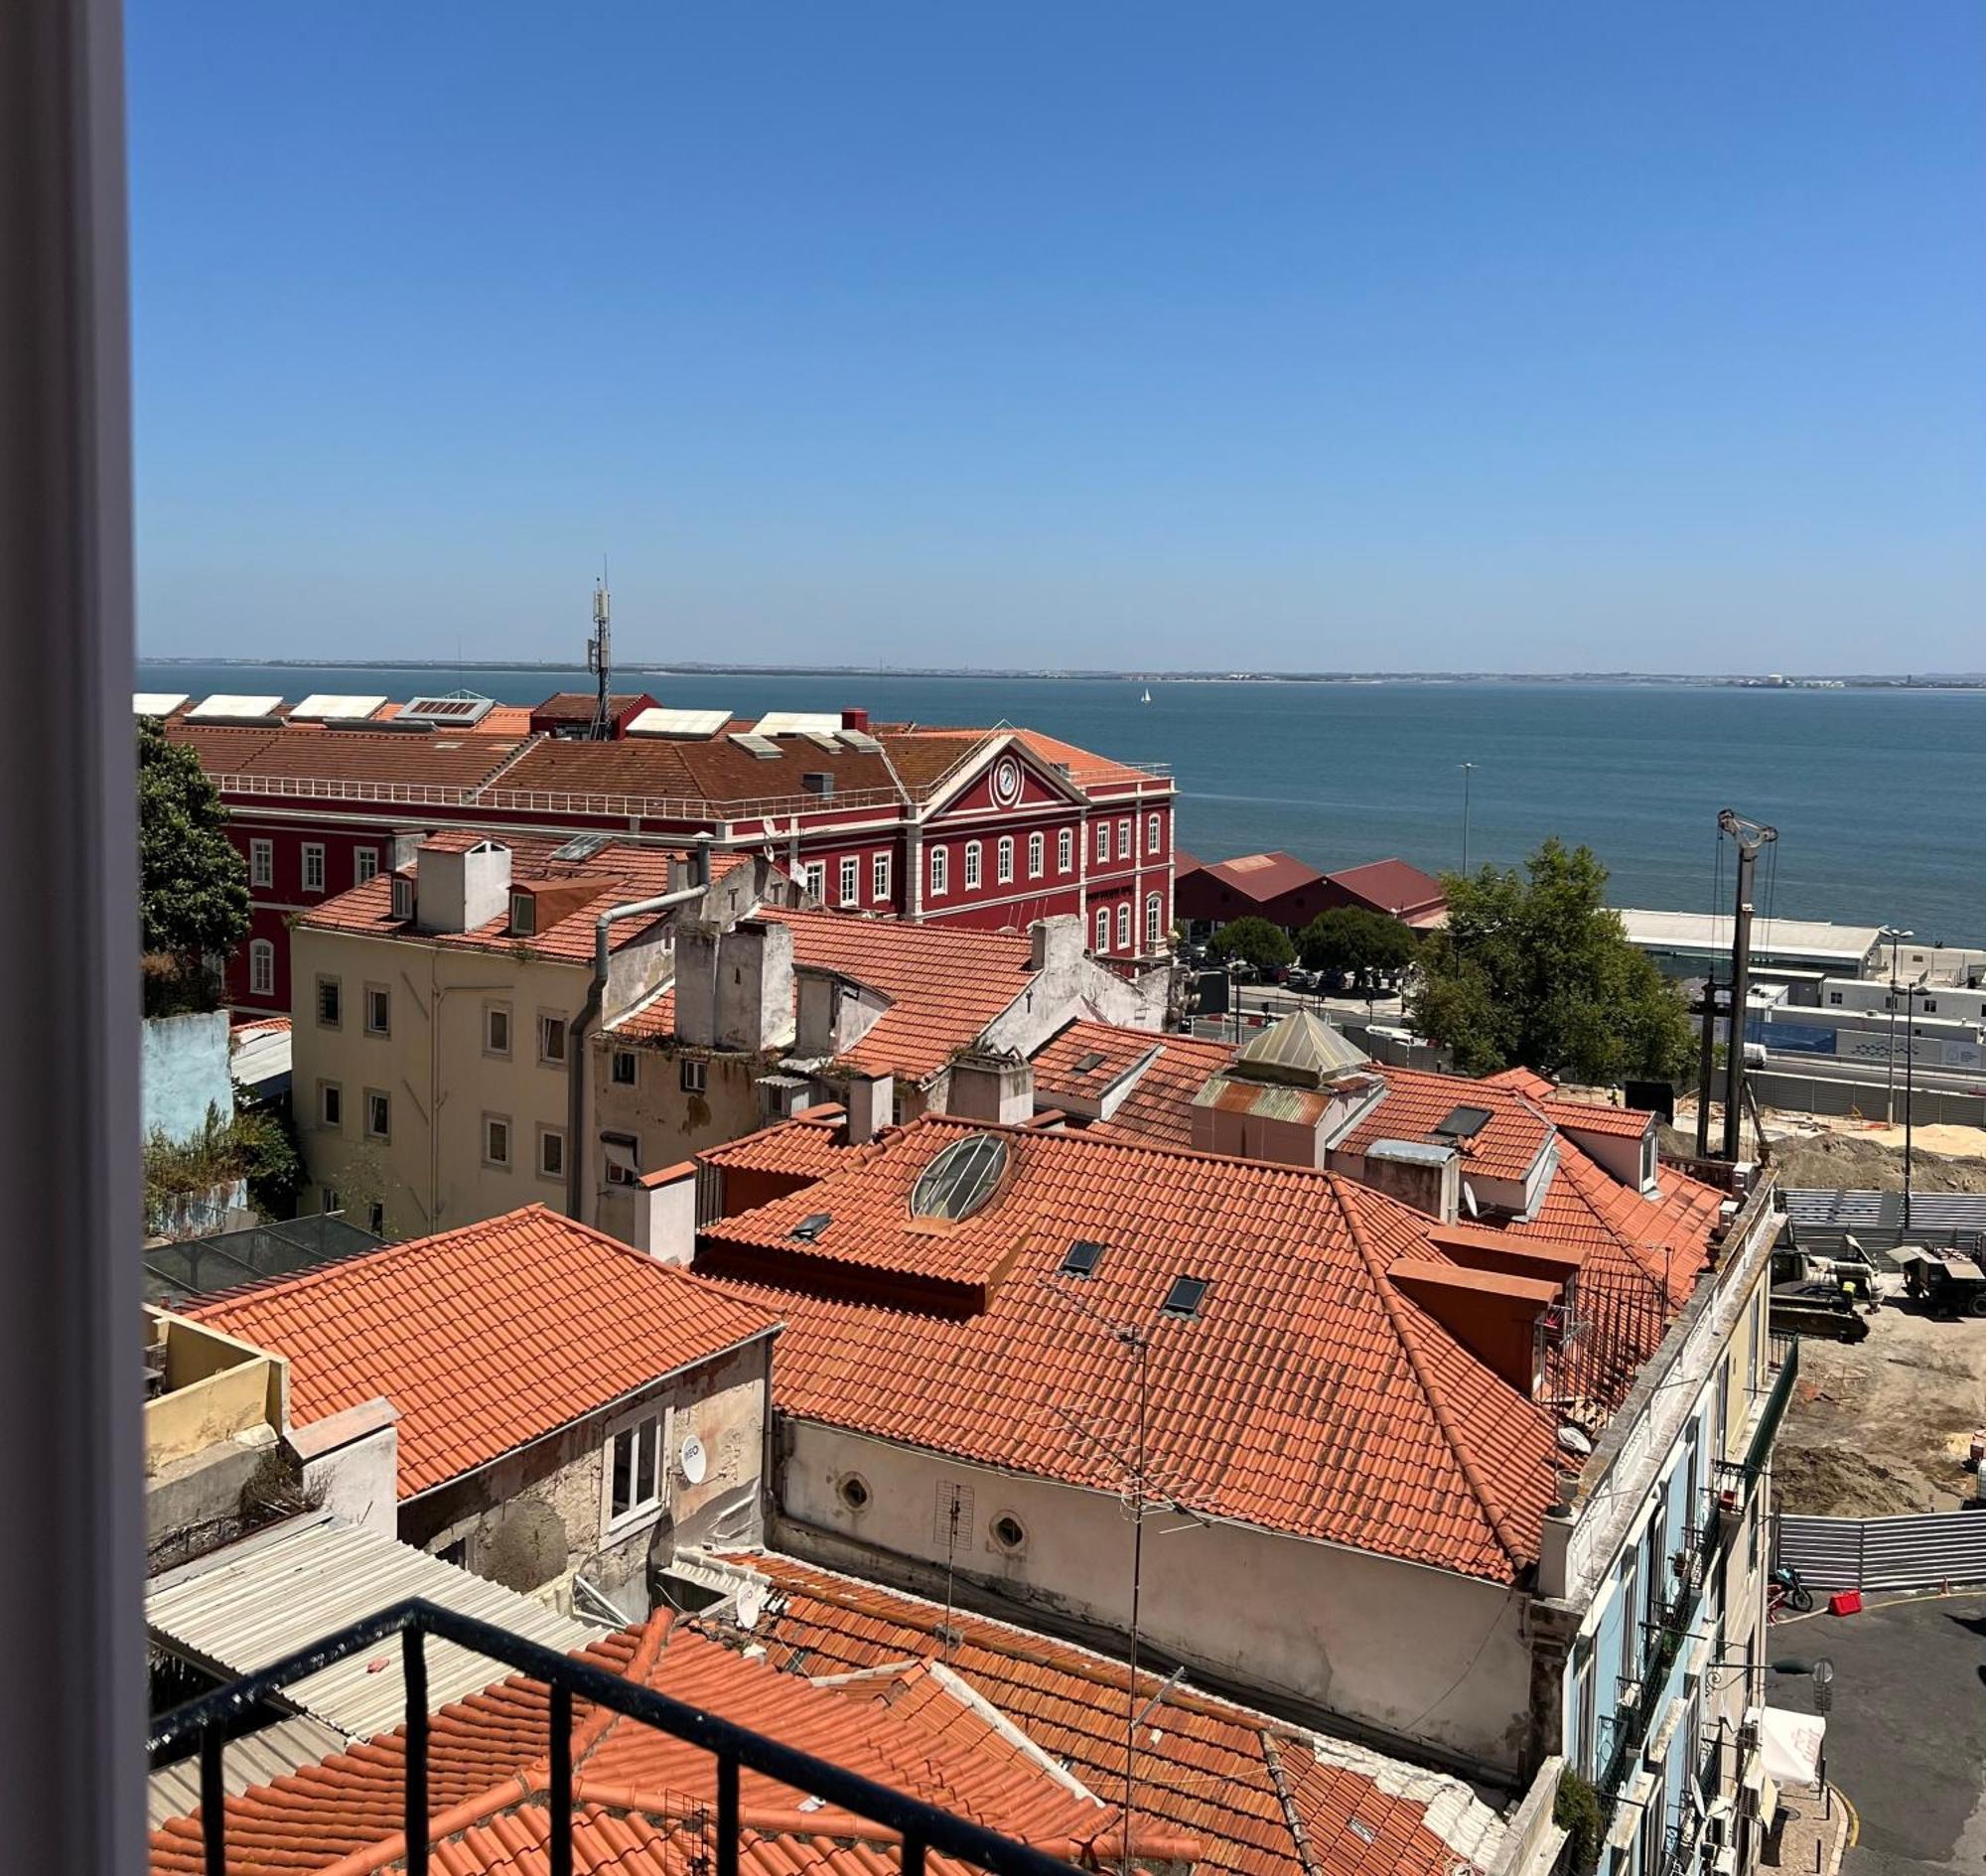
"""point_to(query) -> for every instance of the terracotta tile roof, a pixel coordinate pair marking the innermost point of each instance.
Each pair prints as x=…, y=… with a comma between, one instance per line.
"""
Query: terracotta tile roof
x=1390, y=886
x=719, y=772
x=304, y=751
x=1311, y=1395
x=1263, y=876
x=486, y=1338
x=641, y=1796
x=808, y=1148
x=1627, y=1123
x=1417, y=1101
x=620, y=872
x=578, y=706
x=1159, y=1107
x=1523, y=1081
x=945, y=985
x=1086, y=768
x=1207, y=1765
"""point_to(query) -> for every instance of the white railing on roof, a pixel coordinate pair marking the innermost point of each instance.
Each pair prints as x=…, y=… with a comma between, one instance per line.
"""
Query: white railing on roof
x=550, y=800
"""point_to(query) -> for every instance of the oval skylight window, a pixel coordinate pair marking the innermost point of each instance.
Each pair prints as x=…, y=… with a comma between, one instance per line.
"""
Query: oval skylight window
x=962, y=1179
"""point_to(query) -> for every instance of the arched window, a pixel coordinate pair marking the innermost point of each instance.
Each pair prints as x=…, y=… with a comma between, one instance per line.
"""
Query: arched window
x=1037, y=853
x=941, y=872
x=1155, y=839
x=261, y=968
x=1065, y=850
x=971, y=865
x=1124, y=925
x=1102, y=928
x=1154, y=909
x=1004, y=860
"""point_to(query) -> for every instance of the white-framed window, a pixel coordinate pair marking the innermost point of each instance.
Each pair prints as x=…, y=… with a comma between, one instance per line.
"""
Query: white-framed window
x=331, y=1106
x=551, y=1039
x=1003, y=860
x=879, y=876
x=403, y=897
x=940, y=871
x=1124, y=925
x=1154, y=910
x=365, y=864
x=313, y=866
x=1155, y=833
x=1124, y=839
x=327, y=1198
x=551, y=1152
x=378, y=1114
x=1038, y=851
x=1103, y=840
x=496, y=1140
x=851, y=880
x=496, y=1029
x=622, y=1154
x=261, y=968
x=329, y=1003
x=262, y=863
x=695, y=1074
x=636, y=1468
x=1065, y=850
x=523, y=915
x=971, y=865
x=813, y=876
x=1102, y=928
x=627, y=1067
x=379, y=1010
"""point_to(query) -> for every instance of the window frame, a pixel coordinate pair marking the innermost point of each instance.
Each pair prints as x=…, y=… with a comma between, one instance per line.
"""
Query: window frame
x=552, y=1023
x=879, y=876
x=969, y=879
x=313, y=863
x=633, y=1079
x=330, y=1095
x=1103, y=843
x=261, y=981
x=1155, y=839
x=1123, y=924
x=694, y=1074
x=509, y=1159
x=1003, y=861
x=261, y=863
x=365, y=865
x=1102, y=925
x=1125, y=844
x=813, y=876
x=1038, y=854
x=849, y=879
x=618, y=1176
x=548, y=1135
x=384, y=1133
x=640, y=1512
x=490, y=1048
x=336, y=985
x=1064, y=849
x=402, y=904
x=1155, y=911
x=384, y=992
x=941, y=872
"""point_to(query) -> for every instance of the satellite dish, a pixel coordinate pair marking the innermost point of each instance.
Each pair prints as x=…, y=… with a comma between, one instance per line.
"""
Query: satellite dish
x=695, y=1461
x=750, y=1606
x=1469, y=1199
x=1572, y=1440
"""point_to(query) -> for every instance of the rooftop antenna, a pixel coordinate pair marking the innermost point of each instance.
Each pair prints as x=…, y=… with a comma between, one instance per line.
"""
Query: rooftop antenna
x=600, y=657
x=952, y=1512
x=1749, y=836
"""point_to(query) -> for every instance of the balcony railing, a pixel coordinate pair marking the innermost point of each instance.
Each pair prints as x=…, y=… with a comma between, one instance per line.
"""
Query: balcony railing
x=920, y=1827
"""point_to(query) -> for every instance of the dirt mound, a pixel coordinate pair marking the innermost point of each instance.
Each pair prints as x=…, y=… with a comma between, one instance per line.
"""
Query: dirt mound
x=1842, y=1161
x=1839, y=1482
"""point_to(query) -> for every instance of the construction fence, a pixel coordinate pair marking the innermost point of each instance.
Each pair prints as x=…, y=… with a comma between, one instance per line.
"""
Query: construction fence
x=1925, y=1551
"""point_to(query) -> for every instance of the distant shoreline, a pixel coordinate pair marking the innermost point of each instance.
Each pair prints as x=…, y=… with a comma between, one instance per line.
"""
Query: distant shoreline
x=1938, y=681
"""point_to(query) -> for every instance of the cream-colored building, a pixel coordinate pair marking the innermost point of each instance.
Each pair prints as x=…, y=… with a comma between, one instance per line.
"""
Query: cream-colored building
x=441, y=1013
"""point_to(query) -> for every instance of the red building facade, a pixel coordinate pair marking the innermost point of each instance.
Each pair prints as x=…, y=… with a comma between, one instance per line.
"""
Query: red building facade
x=987, y=828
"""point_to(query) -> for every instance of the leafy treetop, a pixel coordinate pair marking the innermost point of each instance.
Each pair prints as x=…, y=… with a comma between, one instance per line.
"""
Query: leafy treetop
x=1356, y=940
x=193, y=889
x=1256, y=942
x=1533, y=968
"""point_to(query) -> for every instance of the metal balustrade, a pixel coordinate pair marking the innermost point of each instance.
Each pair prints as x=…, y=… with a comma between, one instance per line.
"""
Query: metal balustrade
x=918, y=1827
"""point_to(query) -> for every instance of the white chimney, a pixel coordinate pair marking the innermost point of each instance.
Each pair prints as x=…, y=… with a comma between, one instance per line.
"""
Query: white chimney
x=696, y=984
x=666, y=1214
x=457, y=890
x=1056, y=944
x=992, y=1087
x=871, y=1101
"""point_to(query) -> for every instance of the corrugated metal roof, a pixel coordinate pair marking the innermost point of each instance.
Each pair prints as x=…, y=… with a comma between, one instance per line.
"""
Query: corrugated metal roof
x=252, y=1603
x=1303, y=1044
x=1267, y=1101
x=257, y=1757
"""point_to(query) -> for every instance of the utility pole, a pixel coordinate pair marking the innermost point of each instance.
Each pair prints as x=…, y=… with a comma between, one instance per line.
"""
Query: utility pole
x=1909, y=1082
x=1468, y=768
x=600, y=661
x=1896, y=938
x=1749, y=836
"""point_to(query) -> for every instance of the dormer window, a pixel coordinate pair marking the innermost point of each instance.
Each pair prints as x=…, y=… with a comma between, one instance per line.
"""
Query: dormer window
x=523, y=915
x=403, y=898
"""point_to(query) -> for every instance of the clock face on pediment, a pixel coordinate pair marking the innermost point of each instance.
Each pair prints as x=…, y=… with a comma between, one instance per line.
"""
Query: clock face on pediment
x=1006, y=782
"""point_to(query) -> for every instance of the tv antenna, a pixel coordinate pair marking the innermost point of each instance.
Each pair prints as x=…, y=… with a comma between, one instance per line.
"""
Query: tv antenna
x=600, y=657
x=1136, y=1339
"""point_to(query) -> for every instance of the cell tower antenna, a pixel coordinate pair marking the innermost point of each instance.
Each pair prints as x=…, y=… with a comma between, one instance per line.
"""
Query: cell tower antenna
x=600, y=657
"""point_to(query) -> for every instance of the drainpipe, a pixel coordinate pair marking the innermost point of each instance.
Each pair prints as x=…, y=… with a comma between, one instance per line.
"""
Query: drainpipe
x=575, y=1052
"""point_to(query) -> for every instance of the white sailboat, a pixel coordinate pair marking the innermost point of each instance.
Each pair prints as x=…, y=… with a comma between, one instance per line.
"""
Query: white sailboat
x=1146, y=698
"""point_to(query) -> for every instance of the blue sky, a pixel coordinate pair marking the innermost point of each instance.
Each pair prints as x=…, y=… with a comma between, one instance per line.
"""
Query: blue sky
x=1527, y=336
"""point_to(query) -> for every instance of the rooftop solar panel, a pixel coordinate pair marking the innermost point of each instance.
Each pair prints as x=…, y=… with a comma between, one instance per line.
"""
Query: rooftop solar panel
x=324, y=706
x=226, y=707
x=797, y=722
x=1463, y=1123
x=460, y=708
x=764, y=748
x=156, y=703
x=861, y=740
x=658, y=721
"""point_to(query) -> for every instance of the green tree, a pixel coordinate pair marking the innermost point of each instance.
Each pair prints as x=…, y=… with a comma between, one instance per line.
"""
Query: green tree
x=1357, y=941
x=1534, y=970
x=193, y=889
x=1256, y=942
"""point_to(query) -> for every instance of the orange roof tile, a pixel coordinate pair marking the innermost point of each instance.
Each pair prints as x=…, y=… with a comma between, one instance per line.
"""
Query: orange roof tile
x=1205, y=1769
x=811, y=1148
x=1311, y=1395
x=640, y=1796
x=1627, y=1123
x=307, y=752
x=1417, y=1101
x=486, y=1338
x=1523, y=1081
x=1159, y=1107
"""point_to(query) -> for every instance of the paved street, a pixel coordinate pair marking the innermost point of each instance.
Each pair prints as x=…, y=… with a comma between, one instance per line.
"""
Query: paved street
x=1907, y=1739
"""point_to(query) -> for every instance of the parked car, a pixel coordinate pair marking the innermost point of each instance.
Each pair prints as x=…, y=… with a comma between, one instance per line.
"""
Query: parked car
x=1296, y=977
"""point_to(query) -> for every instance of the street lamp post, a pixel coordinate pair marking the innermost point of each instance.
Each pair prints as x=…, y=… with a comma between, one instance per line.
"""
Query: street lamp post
x=1894, y=939
x=1910, y=995
x=1468, y=768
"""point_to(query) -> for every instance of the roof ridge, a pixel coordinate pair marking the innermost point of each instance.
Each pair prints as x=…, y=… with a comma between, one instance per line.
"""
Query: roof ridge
x=1409, y=1335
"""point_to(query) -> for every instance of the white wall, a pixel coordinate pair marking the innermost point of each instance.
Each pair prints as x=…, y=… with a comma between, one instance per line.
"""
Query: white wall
x=1423, y=1655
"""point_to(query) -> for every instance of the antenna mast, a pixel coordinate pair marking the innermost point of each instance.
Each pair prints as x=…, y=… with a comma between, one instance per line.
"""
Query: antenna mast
x=600, y=659
x=1749, y=836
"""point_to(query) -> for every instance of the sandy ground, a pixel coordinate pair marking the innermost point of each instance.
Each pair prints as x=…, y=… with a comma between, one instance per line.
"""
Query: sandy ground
x=1885, y=1425
x=1836, y=1151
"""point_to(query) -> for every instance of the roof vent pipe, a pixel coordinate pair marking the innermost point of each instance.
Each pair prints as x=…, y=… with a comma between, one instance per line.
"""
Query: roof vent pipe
x=701, y=865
